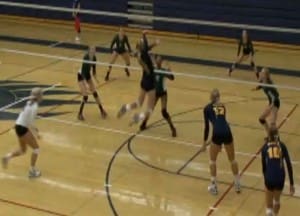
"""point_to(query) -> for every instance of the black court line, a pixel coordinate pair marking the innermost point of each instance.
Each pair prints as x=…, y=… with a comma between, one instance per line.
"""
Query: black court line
x=129, y=146
x=127, y=142
x=188, y=161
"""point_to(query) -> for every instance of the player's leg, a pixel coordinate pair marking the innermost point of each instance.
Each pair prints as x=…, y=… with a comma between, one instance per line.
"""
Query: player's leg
x=276, y=201
x=126, y=58
x=239, y=60
x=274, y=113
x=33, y=172
x=254, y=68
x=20, y=151
x=84, y=92
x=165, y=114
x=114, y=57
x=213, y=154
x=128, y=107
x=229, y=148
x=96, y=97
x=263, y=117
x=269, y=202
x=77, y=28
x=151, y=101
x=144, y=123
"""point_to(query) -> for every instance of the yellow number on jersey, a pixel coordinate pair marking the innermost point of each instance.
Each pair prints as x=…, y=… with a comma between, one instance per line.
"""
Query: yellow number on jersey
x=219, y=110
x=274, y=152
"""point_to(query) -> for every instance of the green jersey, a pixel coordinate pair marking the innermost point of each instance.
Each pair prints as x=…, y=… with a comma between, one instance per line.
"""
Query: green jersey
x=160, y=81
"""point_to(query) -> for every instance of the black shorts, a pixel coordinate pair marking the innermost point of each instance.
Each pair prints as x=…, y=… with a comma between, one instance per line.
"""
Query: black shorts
x=276, y=102
x=20, y=130
x=120, y=51
x=274, y=185
x=81, y=77
x=225, y=138
x=246, y=52
x=161, y=94
x=148, y=84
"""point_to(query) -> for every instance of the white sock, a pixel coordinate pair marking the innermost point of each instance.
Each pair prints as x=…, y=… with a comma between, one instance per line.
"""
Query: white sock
x=128, y=107
x=142, y=116
x=8, y=156
x=213, y=180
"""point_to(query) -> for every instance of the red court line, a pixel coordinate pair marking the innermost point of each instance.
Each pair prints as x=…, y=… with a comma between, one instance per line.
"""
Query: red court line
x=212, y=209
x=32, y=207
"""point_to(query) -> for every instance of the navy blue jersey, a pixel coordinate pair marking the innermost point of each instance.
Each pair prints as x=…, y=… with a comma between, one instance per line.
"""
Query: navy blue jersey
x=145, y=56
x=272, y=159
x=247, y=47
x=216, y=115
x=270, y=91
x=120, y=44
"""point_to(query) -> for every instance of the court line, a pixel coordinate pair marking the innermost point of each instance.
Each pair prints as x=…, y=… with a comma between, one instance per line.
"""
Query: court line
x=138, y=135
x=56, y=44
x=129, y=146
x=190, y=75
x=217, y=203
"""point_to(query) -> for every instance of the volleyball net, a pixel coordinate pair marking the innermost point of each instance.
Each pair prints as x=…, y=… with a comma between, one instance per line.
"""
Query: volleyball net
x=17, y=40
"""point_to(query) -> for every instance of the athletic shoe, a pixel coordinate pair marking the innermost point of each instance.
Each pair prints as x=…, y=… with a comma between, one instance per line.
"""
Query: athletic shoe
x=213, y=189
x=122, y=111
x=34, y=173
x=4, y=162
x=237, y=186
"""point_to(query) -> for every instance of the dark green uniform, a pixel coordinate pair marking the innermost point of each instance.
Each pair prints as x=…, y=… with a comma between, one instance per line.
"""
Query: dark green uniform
x=85, y=72
x=160, y=82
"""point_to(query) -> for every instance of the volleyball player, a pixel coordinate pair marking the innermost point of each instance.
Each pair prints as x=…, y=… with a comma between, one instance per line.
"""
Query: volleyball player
x=120, y=46
x=273, y=98
x=161, y=93
x=84, y=79
x=246, y=45
x=215, y=113
x=76, y=9
x=25, y=129
x=147, y=83
x=273, y=155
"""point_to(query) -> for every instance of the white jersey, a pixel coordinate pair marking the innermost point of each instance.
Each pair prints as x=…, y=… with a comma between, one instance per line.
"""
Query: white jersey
x=28, y=115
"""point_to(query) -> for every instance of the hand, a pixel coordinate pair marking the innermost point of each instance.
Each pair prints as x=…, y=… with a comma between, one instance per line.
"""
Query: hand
x=292, y=190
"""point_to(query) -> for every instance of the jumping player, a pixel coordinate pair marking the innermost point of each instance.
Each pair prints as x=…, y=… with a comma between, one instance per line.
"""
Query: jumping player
x=120, y=46
x=84, y=79
x=25, y=129
x=246, y=45
x=147, y=82
x=215, y=113
x=273, y=155
x=161, y=93
x=273, y=98
x=76, y=9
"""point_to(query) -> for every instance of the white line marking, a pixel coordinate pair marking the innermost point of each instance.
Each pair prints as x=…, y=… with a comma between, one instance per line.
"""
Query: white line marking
x=56, y=44
x=112, y=130
x=184, y=74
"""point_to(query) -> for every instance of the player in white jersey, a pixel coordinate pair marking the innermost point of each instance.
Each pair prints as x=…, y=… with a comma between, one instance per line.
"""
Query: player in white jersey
x=25, y=129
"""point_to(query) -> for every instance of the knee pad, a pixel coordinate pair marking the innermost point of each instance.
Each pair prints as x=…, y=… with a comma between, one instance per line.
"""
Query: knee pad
x=252, y=64
x=85, y=98
x=165, y=114
x=36, y=151
x=276, y=202
x=212, y=162
x=262, y=121
x=95, y=94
